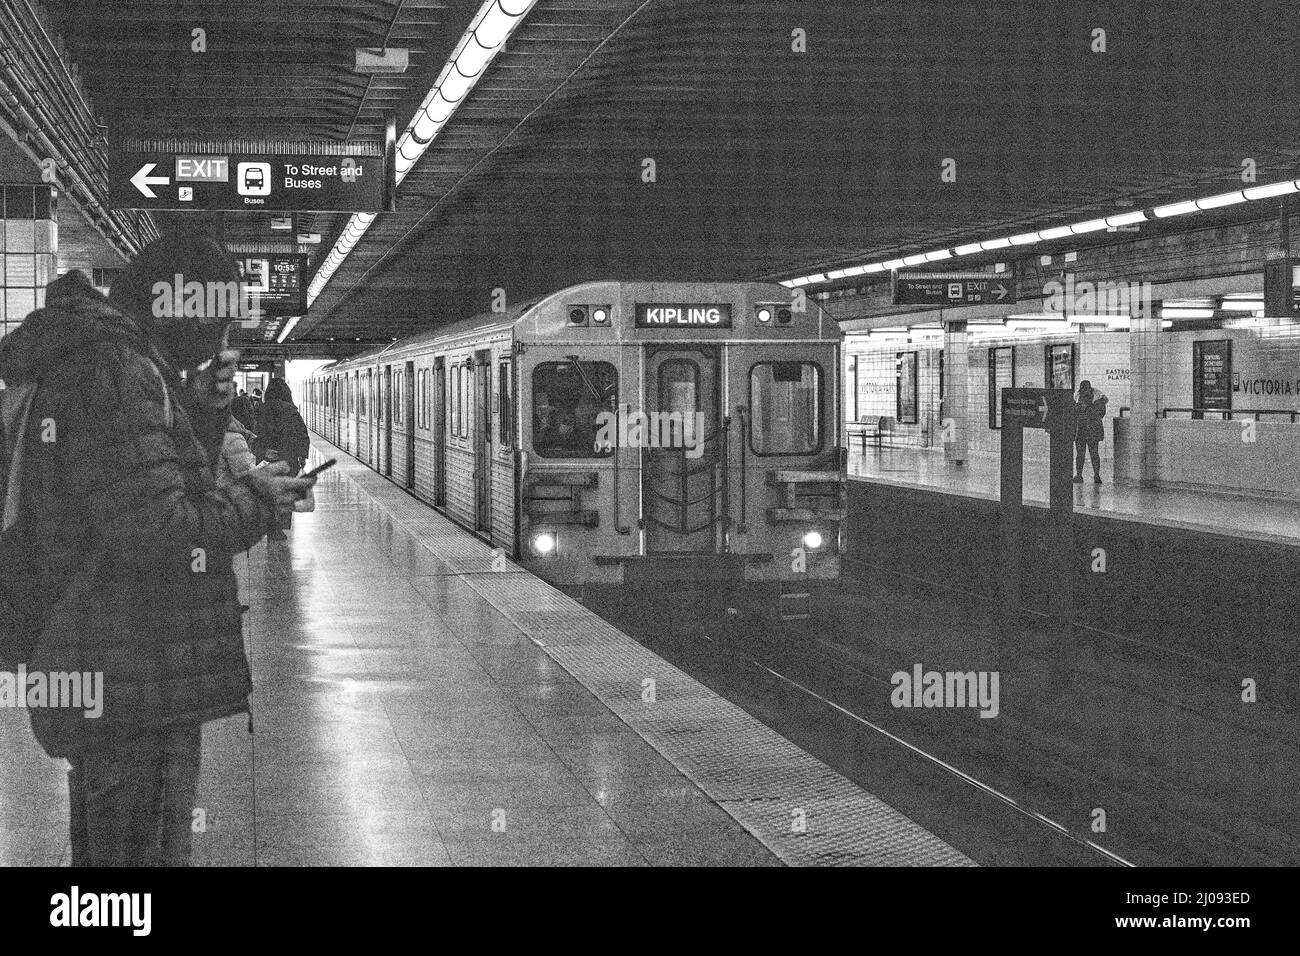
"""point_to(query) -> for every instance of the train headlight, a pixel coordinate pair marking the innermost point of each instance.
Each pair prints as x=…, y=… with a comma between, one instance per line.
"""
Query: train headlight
x=765, y=315
x=544, y=543
x=600, y=316
x=813, y=540
x=783, y=316
x=578, y=316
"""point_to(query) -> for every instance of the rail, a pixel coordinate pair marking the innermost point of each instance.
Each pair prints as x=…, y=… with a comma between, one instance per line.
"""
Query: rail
x=1222, y=414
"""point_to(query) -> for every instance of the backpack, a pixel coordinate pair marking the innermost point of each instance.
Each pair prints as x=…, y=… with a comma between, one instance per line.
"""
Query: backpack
x=18, y=632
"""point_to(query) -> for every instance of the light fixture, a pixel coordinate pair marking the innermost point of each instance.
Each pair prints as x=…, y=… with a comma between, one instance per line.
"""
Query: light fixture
x=1273, y=189
x=544, y=543
x=1223, y=199
x=1126, y=219
x=599, y=315
x=1057, y=232
x=765, y=315
x=1092, y=225
x=492, y=26
x=1060, y=232
x=1176, y=209
x=812, y=540
x=1177, y=313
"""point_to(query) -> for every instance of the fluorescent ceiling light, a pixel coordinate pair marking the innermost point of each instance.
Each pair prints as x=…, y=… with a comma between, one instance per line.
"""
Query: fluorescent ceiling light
x=492, y=26
x=894, y=264
x=837, y=274
x=876, y=267
x=995, y=244
x=969, y=249
x=1024, y=239
x=914, y=260
x=937, y=255
x=1126, y=219
x=1044, y=323
x=1187, y=313
x=1176, y=209
x=1242, y=305
x=1092, y=225
x=288, y=327
x=1057, y=232
x=855, y=271
x=1273, y=189
x=890, y=328
x=1223, y=199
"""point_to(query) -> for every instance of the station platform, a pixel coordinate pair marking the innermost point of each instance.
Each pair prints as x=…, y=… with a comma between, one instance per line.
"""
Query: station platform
x=1255, y=518
x=419, y=701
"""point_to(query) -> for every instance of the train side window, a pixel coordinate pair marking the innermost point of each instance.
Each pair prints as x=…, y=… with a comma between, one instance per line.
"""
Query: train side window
x=453, y=405
x=568, y=401
x=466, y=384
x=785, y=401
x=503, y=401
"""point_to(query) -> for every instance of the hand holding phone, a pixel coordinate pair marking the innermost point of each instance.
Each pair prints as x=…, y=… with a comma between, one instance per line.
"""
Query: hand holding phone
x=317, y=470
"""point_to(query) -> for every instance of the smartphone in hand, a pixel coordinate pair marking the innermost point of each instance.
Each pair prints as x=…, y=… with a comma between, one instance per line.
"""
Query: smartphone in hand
x=317, y=470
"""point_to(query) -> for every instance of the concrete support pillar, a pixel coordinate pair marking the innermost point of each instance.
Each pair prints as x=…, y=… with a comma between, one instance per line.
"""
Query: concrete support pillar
x=1146, y=394
x=955, y=426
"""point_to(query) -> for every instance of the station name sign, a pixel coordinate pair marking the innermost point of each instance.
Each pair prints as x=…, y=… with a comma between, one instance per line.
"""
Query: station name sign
x=248, y=182
x=653, y=315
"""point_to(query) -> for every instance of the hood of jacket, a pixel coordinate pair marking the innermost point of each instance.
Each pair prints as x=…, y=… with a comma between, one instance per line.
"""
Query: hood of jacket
x=76, y=315
x=239, y=428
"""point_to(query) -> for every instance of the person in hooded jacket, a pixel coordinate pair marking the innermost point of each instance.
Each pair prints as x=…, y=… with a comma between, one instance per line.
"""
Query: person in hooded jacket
x=130, y=540
x=282, y=436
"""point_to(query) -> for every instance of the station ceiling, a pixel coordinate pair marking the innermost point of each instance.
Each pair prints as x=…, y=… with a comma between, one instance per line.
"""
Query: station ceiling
x=768, y=162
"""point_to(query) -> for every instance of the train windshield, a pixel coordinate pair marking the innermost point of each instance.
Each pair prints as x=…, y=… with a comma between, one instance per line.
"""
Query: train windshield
x=568, y=401
x=786, y=401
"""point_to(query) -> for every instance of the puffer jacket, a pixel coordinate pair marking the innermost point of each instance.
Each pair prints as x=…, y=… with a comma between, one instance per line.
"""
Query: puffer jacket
x=282, y=430
x=237, y=456
x=122, y=517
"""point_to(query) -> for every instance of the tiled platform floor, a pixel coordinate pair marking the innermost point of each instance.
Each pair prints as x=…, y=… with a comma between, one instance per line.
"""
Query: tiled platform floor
x=978, y=477
x=414, y=706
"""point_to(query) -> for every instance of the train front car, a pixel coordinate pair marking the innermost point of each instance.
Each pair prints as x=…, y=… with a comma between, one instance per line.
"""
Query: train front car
x=680, y=432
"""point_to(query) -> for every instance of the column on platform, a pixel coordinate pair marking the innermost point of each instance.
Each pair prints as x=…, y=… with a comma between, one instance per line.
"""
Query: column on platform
x=955, y=426
x=1146, y=394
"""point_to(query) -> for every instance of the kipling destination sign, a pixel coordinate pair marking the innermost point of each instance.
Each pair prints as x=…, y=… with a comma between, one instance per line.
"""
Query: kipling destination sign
x=652, y=315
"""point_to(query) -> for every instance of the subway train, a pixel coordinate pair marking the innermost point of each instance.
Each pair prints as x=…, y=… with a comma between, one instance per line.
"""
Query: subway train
x=616, y=432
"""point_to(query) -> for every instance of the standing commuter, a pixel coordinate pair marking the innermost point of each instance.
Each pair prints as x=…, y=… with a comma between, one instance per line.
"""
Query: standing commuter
x=130, y=540
x=282, y=435
x=242, y=409
x=1090, y=414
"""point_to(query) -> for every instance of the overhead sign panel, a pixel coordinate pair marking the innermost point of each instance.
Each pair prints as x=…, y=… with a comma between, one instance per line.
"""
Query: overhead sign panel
x=231, y=181
x=943, y=288
x=654, y=315
x=277, y=282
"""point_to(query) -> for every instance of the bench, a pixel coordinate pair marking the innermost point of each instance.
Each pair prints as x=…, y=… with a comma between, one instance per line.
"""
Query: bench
x=862, y=428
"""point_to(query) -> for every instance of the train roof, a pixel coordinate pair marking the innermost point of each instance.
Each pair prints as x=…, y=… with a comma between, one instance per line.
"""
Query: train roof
x=492, y=321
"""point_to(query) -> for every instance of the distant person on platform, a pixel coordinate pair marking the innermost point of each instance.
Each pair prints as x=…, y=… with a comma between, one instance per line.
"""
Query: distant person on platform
x=242, y=408
x=128, y=541
x=282, y=436
x=1090, y=416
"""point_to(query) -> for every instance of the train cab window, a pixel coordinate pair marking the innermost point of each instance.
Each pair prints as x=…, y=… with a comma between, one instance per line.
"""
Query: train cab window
x=785, y=400
x=568, y=398
x=503, y=403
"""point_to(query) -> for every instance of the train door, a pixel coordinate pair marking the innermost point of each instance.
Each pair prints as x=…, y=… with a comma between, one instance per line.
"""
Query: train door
x=483, y=440
x=387, y=423
x=440, y=433
x=680, y=482
x=408, y=382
